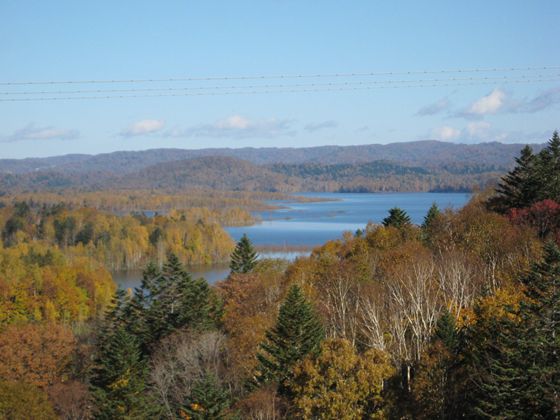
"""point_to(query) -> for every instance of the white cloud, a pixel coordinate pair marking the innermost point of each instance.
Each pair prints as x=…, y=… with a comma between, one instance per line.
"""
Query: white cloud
x=320, y=126
x=142, y=128
x=32, y=132
x=446, y=133
x=237, y=126
x=489, y=104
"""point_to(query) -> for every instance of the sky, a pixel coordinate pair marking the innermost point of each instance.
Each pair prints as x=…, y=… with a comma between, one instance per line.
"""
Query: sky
x=46, y=41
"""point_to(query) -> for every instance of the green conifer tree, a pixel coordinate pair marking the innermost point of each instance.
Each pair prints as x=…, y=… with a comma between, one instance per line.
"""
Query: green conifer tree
x=540, y=315
x=514, y=360
x=119, y=378
x=446, y=331
x=175, y=301
x=297, y=333
x=549, y=169
x=520, y=187
x=397, y=218
x=431, y=216
x=208, y=400
x=244, y=257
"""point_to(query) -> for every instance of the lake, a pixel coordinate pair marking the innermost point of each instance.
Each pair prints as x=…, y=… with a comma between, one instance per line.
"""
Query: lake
x=313, y=223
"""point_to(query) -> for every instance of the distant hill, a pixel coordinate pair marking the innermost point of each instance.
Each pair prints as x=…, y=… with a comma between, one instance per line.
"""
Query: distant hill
x=420, y=153
x=413, y=166
x=216, y=172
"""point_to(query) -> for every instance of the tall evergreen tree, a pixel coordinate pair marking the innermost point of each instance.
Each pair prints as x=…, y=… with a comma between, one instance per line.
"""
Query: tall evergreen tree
x=297, y=333
x=515, y=358
x=446, y=331
x=397, y=218
x=173, y=299
x=208, y=400
x=540, y=315
x=431, y=216
x=119, y=378
x=520, y=187
x=244, y=257
x=549, y=169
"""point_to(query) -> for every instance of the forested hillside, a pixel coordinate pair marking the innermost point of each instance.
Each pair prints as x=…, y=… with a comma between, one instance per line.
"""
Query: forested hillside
x=420, y=153
x=231, y=174
x=415, y=166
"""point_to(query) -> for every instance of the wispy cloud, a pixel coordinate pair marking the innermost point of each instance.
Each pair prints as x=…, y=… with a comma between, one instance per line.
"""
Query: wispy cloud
x=432, y=109
x=33, y=132
x=239, y=127
x=312, y=127
x=142, y=128
x=542, y=101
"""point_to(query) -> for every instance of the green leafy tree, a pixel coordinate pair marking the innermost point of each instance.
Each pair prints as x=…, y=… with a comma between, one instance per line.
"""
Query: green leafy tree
x=397, y=218
x=297, y=333
x=244, y=256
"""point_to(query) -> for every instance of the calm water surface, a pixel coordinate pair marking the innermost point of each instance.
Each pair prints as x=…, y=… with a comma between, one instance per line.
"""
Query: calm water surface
x=315, y=223
x=311, y=224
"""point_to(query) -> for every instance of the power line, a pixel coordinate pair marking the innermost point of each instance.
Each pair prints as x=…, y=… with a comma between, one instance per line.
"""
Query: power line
x=257, y=91
x=284, y=76
x=503, y=79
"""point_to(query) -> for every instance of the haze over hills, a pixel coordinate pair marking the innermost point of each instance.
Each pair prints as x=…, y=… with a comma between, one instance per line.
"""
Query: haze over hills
x=412, y=166
x=422, y=153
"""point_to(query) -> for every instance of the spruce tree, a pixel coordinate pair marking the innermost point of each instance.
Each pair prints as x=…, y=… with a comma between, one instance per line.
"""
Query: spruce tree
x=119, y=378
x=297, y=333
x=515, y=358
x=397, y=218
x=520, y=187
x=174, y=300
x=540, y=315
x=549, y=169
x=446, y=331
x=208, y=400
x=431, y=216
x=244, y=257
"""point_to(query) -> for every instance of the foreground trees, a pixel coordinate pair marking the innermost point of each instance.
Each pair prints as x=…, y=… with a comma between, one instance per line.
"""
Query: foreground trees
x=338, y=383
x=297, y=333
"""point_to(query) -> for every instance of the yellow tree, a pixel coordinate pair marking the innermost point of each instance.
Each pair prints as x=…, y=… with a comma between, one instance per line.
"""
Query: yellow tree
x=340, y=384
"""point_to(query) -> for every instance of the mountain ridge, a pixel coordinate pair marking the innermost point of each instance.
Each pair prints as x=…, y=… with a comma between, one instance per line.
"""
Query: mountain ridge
x=419, y=153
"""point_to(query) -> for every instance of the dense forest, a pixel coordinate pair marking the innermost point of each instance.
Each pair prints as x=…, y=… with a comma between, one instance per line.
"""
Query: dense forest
x=417, y=166
x=456, y=318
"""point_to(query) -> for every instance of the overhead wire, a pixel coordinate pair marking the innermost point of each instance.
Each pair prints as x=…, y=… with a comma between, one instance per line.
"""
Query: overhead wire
x=281, y=76
x=281, y=90
x=280, y=86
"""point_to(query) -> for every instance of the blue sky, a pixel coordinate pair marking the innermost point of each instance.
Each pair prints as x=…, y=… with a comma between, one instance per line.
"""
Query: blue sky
x=101, y=40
